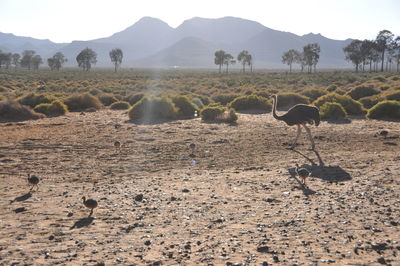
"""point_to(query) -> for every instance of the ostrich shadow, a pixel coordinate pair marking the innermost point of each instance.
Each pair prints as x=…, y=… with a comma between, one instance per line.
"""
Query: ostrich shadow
x=330, y=173
x=83, y=222
x=22, y=198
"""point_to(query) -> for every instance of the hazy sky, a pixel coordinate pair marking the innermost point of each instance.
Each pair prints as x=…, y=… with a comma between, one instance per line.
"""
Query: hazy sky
x=67, y=20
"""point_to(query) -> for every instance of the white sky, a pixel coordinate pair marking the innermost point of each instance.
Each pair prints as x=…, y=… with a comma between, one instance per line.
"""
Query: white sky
x=67, y=20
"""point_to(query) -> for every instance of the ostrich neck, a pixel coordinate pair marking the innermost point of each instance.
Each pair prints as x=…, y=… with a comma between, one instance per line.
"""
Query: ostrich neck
x=275, y=100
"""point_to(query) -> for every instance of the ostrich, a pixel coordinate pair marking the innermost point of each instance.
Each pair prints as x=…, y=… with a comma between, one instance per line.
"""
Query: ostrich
x=303, y=173
x=299, y=115
x=33, y=180
x=89, y=203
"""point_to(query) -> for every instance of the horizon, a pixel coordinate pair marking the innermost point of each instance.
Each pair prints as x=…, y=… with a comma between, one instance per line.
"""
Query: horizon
x=352, y=19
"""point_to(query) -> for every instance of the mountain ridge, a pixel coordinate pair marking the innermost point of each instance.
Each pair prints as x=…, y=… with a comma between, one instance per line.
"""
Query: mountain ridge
x=152, y=40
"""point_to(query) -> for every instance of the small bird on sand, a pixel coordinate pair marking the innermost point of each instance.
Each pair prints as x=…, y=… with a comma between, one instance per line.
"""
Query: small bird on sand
x=89, y=203
x=384, y=133
x=117, y=145
x=33, y=180
x=303, y=173
x=192, y=146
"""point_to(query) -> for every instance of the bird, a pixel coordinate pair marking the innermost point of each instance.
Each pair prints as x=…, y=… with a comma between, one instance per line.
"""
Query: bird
x=192, y=146
x=384, y=133
x=303, y=173
x=299, y=115
x=89, y=203
x=33, y=180
x=117, y=145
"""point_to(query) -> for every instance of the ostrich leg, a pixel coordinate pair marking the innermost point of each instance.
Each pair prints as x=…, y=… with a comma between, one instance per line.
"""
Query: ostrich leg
x=310, y=136
x=297, y=137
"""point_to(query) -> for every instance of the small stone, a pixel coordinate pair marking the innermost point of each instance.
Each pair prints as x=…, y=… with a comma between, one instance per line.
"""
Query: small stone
x=147, y=242
x=139, y=197
x=51, y=237
x=185, y=190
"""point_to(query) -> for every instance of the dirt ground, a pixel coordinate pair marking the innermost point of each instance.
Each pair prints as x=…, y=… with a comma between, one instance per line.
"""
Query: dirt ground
x=236, y=201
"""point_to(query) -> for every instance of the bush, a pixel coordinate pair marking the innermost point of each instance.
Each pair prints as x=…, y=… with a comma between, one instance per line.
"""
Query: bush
x=32, y=99
x=362, y=91
x=2, y=98
x=150, y=110
x=313, y=93
x=218, y=114
x=212, y=113
x=385, y=109
x=56, y=108
x=120, y=105
x=289, y=99
x=369, y=101
x=393, y=96
x=251, y=102
x=197, y=103
x=132, y=99
x=332, y=111
x=81, y=102
x=351, y=106
x=14, y=111
x=107, y=99
x=184, y=106
x=95, y=92
x=224, y=99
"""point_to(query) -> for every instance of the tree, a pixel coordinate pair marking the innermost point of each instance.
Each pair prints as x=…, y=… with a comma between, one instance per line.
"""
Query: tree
x=311, y=55
x=86, y=58
x=245, y=58
x=36, y=61
x=116, y=57
x=26, y=60
x=290, y=57
x=219, y=59
x=397, y=54
x=228, y=60
x=5, y=59
x=353, y=53
x=56, y=62
x=15, y=60
x=367, y=50
x=383, y=40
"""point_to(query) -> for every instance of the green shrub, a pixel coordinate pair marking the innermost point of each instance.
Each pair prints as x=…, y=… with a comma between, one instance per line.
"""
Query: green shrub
x=218, y=114
x=351, y=106
x=251, y=102
x=150, y=110
x=380, y=78
x=369, y=101
x=55, y=108
x=313, y=93
x=132, y=99
x=212, y=113
x=393, y=96
x=332, y=111
x=95, y=92
x=289, y=99
x=184, y=106
x=107, y=99
x=32, y=99
x=120, y=105
x=385, y=109
x=362, y=91
x=81, y=102
x=197, y=103
x=2, y=98
x=224, y=99
x=14, y=111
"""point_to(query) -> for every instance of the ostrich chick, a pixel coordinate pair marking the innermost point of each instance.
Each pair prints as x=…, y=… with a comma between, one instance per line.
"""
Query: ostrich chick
x=192, y=146
x=384, y=133
x=303, y=173
x=117, y=145
x=33, y=181
x=89, y=203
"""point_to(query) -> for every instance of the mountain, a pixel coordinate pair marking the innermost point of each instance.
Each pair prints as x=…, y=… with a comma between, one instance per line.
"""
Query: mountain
x=188, y=52
x=150, y=42
x=17, y=44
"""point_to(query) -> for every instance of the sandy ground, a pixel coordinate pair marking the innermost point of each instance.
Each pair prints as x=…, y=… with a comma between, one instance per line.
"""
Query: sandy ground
x=238, y=203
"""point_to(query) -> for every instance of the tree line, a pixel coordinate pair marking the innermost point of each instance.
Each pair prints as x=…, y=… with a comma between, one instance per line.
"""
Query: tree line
x=309, y=57
x=30, y=60
x=223, y=58
x=385, y=48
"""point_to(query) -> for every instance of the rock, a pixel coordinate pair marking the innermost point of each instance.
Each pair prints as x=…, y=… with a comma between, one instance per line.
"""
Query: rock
x=147, y=242
x=185, y=190
x=51, y=237
x=263, y=249
x=275, y=258
x=18, y=210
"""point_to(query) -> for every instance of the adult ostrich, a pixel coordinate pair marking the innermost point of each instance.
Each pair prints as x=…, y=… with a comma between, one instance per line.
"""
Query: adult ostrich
x=299, y=115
